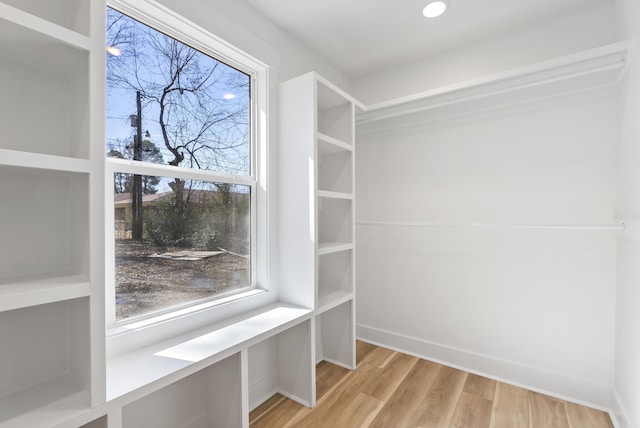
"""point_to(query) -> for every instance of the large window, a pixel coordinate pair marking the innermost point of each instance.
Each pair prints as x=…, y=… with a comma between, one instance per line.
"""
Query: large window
x=181, y=158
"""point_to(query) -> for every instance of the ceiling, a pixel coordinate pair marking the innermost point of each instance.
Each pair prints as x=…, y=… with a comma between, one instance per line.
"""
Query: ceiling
x=363, y=37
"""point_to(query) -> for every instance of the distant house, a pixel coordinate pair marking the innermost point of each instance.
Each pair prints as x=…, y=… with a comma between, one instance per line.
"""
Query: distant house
x=123, y=208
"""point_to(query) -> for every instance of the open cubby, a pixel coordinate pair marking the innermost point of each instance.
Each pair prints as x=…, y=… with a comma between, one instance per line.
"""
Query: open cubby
x=335, y=336
x=45, y=220
x=335, y=223
x=283, y=364
x=70, y=14
x=334, y=114
x=44, y=83
x=101, y=422
x=335, y=277
x=335, y=168
x=211, y=398
x=49, y=357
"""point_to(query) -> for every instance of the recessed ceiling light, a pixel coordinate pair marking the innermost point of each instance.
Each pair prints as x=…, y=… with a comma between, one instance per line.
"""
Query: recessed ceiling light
x=434, y=9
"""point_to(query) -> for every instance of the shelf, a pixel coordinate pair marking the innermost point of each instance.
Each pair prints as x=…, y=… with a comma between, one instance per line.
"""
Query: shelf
x=592, y=68
x=331, y=145
x=333, y=247
x=335, y=220
x=37, y=42
x=43, y=405
x=334, y=195
x=44, y=108
x=46, y=223
x=335, y=112
x=49, y=358
x=335, y=168
x=20, y=159
x=32, y=291
x=174, y=359
x=101, y=422
x=335, y=277
x=335, y=335
x=330, y=298
x=67, y=20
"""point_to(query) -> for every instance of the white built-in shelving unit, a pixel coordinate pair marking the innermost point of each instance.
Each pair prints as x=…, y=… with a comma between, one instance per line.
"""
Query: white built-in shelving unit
x=56, y=368
x=317, y=210
x=46, y=297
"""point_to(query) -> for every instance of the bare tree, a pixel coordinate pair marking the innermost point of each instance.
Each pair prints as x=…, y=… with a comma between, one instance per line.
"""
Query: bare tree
x=200, y=105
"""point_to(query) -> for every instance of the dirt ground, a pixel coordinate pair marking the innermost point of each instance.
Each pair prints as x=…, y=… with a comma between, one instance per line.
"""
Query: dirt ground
x=146, y=283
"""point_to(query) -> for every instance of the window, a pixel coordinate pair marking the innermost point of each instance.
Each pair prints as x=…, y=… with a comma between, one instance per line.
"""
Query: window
x=182, y=160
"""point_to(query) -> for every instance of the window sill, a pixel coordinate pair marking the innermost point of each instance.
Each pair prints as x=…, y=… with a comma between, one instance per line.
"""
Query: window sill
x=158, y=365
x=127, y=326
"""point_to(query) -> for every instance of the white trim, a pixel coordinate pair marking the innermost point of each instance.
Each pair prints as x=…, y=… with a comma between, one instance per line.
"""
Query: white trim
x=175, y=25
x=122, y=337
x=619, y=415
x=611, y=227
x=609, y=60
x=556, y=384
x=631, y=231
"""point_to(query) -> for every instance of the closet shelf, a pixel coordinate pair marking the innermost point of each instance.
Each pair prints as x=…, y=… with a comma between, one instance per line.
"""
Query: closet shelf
x=38, y=290
x=610, y=227
x=334, y=195
x=331, y=298
x=334, y=145
x=591, y=68
x=333, y=247
x=15, y=158
x=18, y=20
x=44, y=405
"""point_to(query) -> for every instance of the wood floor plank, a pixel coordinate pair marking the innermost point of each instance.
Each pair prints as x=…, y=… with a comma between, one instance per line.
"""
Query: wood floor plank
x=265, y=407
x=359, y=413
x=327, y=377
x=362, y=350
x=379, y=357
x=480, y=386
x=391, y=377
x=547, y=411
x=394, y=390
x=510, y=407
x=472, y=411
x=338, y=402
x=398, y=410
x=437, y=409
x=280, y=415
x=585, y=417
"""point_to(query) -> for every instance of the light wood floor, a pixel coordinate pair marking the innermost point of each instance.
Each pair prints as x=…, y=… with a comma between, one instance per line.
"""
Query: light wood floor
x=391, y=390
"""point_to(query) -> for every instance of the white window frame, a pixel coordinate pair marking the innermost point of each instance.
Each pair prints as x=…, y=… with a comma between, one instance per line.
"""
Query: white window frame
x=166, y=21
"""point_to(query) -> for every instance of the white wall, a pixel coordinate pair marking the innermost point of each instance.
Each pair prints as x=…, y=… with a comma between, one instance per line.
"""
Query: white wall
x=627, y=377
x=590, y=28
x=534, y=307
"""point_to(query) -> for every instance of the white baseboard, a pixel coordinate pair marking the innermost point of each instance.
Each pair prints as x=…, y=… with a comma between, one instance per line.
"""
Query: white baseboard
x=560, y=385
x=261, y=390
x=618, y=413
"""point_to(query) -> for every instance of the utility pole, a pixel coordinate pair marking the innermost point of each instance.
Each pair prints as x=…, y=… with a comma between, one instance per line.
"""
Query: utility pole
x=136, y=188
